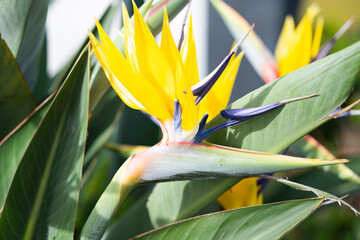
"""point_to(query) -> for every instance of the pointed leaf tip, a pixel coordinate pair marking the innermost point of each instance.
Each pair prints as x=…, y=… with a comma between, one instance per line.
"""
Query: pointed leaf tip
x=181, y=161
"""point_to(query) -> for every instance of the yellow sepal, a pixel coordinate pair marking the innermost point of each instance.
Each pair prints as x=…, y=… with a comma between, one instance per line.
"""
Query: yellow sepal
x=182, y=84
x=119, y=88
x=126, y=82
x=188, y=55
x=152, y=62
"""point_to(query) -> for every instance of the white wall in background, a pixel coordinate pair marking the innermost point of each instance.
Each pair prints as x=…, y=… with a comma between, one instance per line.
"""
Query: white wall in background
x=66, y=26
x=69, y=20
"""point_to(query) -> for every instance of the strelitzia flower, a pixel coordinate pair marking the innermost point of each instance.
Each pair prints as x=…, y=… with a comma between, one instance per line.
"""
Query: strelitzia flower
x=163, y=81
x=300, y=46
x=158, y=79
x=296, y=47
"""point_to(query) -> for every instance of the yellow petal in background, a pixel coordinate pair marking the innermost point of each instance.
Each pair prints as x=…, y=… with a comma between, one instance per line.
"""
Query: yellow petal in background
x=301, y=49
x=218, y=96
x=286, y=35
x=294, y=48
x=317, y=37
x=242, y=194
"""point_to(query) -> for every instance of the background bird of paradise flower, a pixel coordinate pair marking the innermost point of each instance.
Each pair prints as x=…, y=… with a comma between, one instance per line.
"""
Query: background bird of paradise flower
x=45, y=163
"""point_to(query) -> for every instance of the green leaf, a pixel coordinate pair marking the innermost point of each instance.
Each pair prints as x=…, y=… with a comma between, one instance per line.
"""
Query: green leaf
x=13, y=147
x=42, y=200
x=16, y=101
x=93, y=183
x=43, y=79
x=268, y=221
x=332, y=77
x=22, y=26
x=106, y=206
x=125, y=151
x=172, y=201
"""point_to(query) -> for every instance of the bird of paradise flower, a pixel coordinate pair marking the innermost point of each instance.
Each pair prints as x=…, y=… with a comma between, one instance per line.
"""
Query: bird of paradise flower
x=163, y=81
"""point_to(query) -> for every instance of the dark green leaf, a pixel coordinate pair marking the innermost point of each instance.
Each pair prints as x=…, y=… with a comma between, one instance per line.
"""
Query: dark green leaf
x=16, y=101
x=43, y=80
x=22, y=25
x=93, y=183
x=105, y=208
x=42, y=200
x=268, y=221
x=173, y=201
x=13, y=149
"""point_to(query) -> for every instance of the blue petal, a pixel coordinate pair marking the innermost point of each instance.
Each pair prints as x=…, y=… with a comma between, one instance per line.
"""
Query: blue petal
x=203, y=87
x=262, y=182
x=327, y=46
x=348, y=113
x=202, y=124
x=177, y=115
x=236, y=116
x=247, y=113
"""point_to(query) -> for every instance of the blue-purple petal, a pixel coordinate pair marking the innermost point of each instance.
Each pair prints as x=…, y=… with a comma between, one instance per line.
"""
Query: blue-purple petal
x=177, y=115
x=247, y=113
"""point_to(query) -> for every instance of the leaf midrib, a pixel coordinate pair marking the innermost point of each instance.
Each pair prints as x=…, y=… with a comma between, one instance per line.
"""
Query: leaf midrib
x=44, y=180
